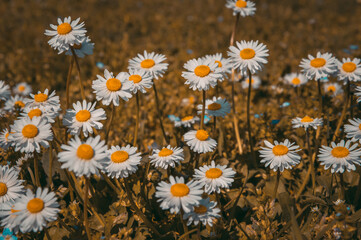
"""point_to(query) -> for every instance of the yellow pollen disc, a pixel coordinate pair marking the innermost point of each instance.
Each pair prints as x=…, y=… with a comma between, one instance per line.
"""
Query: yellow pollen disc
x=349, y=67
x=247, y=81
x=202, y=135
x=331, y=88
x=40, y=97
x=340, y=152
x=35, y=205
x=30, y=131
x=64, y=28
x=307, y=119
x=201, y=209
x=82, y=116
x=147, y=63
x=247, y=53
x=318, y=62
x=85, y=152
x=213, y=173
x=214, y=106
x=21, y=88
x=241, y=4
x=77, y=46
x=20, y=104
x=135, y=78
x=165, y=152
x=119, y=156
x=359, y=126
x=219, y=63
x=34, y=113
x=280, y=150
x=179, y=190
x=202, y=70
x=296, y=81
x=113, y=84
x=187, y=118
x=3, y=189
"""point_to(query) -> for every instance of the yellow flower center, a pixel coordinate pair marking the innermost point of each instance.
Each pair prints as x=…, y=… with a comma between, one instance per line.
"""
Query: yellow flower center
x=119, y=156
x=349, y=67
x=147, y=63
x=340, y=152
x=331, y=88
x=113, y=84
x=34, y=113
x=202, y=135
x=30, y=131
x=214, y=106
x=241, y=4
x=21, y=88
x=40, y=97
x=187, y=118
x=280, y=150
x=3, y=189
x=202, y=70
x=318, y=62
x=64, y=28
x=359, y=126
x=179, y=190
x=307, y=119
x=165, y=152
x=35, y=205
x=20, y=104
x=82, y=116
x=247, y=81
x=219, y=63
x=296, y=81
x=77, y=46
x=201, y=209
x=135, y=78
x=213, y=173
x=85, y=152
x=247, y=53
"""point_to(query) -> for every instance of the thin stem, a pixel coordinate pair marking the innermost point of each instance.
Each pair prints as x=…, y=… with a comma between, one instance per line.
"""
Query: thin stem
x=78, y=67
x=110, y=123
x=136, y=122
x=203, y=108
x=107, y=179
x=68, y=83
x=51, y=166
x=36, y=170
x=248, y=118
x=86, y=208
x=320, y=98
x=312, y=164
x=159, y=113
x=344, y=110
x=32, y=176
x=305, y=181
x=277, y=183
x=233, y=36
x=342, y=187
x=185, y=228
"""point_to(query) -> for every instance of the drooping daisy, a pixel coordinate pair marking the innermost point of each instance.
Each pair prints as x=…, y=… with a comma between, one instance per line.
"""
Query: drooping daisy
x=83, y=117
x=349, y=69
x=149, y=62
x=206, y=213
x=5, y=142
x=122, y=161
x=29, y=134
x=82, y=49
x=44, y=100
x=109, y=88
x=140, y=79
x=10, y=185
x=47, y=113
x=35, y=211
x=224, y=65
x=177, y=195
x=280, y=156
x=340, y=156
x=241, y=7
x=186, y=121
x=23, y=89
x=8, y=217
x=256, y=82
x=4, y=91
x=295, y=79
x=353, y=130
x=17, y=102
x=333, y=88
x=321, y=66
x=84, y=158
x=248, y=55
x=214, y=177
x=200, y=141
x=167, y=157
x=66, y=33
x=306, y=122
x=217, y=107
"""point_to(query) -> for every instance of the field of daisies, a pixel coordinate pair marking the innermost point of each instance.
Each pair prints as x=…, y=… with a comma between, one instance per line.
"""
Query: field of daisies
x=208, y=119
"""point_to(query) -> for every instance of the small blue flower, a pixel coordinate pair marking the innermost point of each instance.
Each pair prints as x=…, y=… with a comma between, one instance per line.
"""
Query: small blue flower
x=256, y=115
x=345, y=50
x=353, y=47
x=206, y=119
x=285, y=104
x=100, y=65
x=220, y=19
x=173, y=118
x=275, y=121
x=189, y=51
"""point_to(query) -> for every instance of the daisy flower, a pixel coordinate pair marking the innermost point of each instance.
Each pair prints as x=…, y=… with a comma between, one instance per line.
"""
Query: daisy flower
x=8, y=217
x=349, y=69
x=66, y=33
x=353, y=130
x=201, y=74
x=217, y=107
x=214, y=177
x=29, y=134
x=319, y=67
x=122, y=161
x=109, y=88
x=83, y=117
x=35, y=211
x=83, y=158
x=340, y=156
x=43, y=100
x=186, y=121
x=206, y=213
x=167, y=157
x=4, y=91
x=23, y=89
x=140, y=79
x=333, y=88
x=256, y=82
x=243, y=8
x=82, y=49
x=248, y=55
x=47, y=113
x=10, y=185
x=5, y=142
x=178, y=195
x=151, y=63
x=295, y=79
x=280, y=156
x=224, y=65
x=17, y=102
x=199, y=141
x=307, y=122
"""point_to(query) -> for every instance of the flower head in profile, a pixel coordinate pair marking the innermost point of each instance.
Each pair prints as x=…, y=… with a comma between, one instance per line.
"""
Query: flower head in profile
x=241, y=7
x=333, y=88
x=23, y=89
x=216, y=107
x=167, y=157
x=15, y=103
x=152, y=63
x=307, y=122
x=256, y=82
x=46, y=112
x=353, y=130
x=4, y=91
x=186, y=121
x=82, y=49
x=315, y=68
x=349, y=69
x=295, y=79
x=206, y=212
x=44, y=99
x=200, y=141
